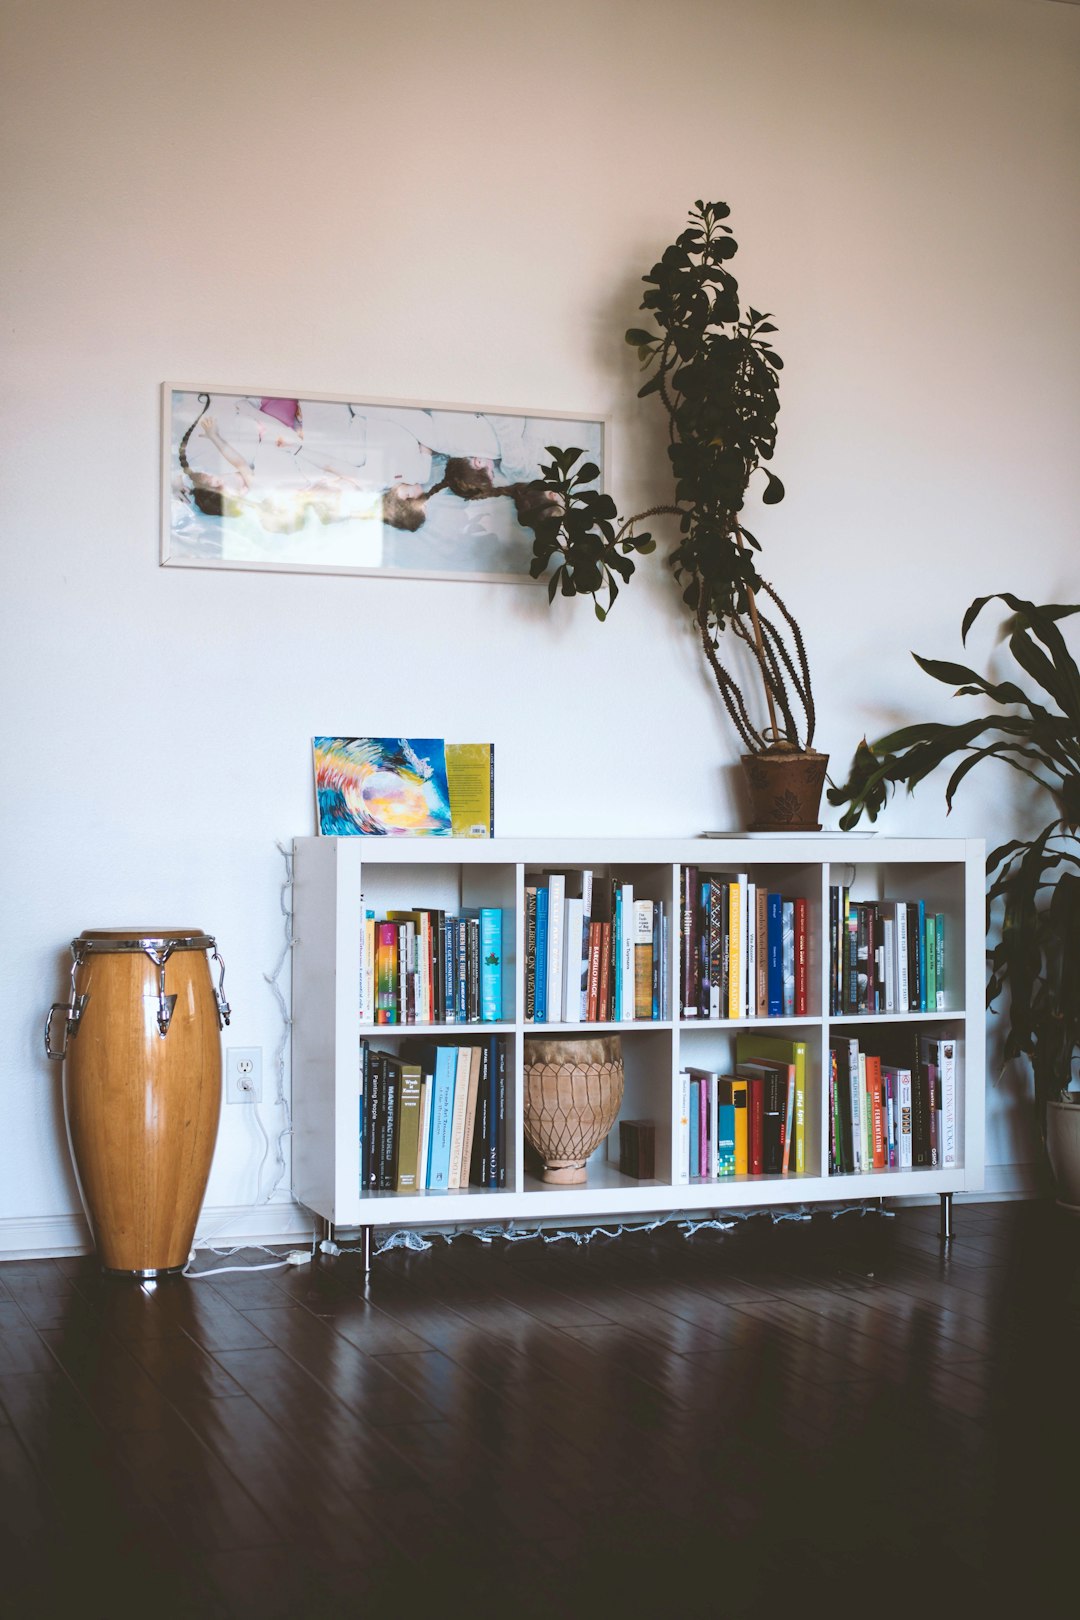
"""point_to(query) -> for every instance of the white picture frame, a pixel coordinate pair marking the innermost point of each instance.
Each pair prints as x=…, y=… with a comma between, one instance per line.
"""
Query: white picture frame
x=257, y=478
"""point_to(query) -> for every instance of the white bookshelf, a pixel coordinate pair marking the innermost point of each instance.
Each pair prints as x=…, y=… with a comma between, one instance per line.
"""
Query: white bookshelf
x=335, y=879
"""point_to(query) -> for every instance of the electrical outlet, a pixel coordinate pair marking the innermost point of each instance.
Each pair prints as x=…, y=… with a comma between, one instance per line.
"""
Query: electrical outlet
x=243, y=1074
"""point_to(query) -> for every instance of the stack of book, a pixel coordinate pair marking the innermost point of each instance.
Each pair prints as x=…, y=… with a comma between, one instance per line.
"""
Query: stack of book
x=893, y=1107
x=433, y=1117
x=884, y=955
x=744, y=948
x=594, y=953
x=424, y=967
x=751, y=1122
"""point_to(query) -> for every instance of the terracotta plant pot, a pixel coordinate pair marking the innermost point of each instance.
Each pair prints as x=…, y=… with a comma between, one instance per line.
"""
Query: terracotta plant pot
x=785, y=789
x=572, y=1096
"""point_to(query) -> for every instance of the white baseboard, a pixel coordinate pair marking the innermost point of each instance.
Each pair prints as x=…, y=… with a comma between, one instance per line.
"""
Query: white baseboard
x=49, y=1236
x=282, y=1221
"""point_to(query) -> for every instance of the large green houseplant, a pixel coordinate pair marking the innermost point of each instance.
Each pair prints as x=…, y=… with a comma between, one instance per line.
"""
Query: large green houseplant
x=1033, y=895
x=715, y=372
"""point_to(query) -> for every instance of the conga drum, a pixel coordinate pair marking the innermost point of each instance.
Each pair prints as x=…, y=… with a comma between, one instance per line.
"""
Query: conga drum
x=142, y=1088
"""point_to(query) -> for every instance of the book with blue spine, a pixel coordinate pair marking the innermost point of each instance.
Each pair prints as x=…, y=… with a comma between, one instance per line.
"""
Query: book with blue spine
x=922, y=955
x=442, y=1117
x=775, y=948
x=541, y=953
x=490, y=964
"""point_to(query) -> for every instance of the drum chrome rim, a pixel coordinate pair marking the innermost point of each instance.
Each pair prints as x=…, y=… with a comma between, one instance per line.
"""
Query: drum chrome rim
x=103, y=945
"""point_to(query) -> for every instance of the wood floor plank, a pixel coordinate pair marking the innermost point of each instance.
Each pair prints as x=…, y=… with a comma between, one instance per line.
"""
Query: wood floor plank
x=553, y=1428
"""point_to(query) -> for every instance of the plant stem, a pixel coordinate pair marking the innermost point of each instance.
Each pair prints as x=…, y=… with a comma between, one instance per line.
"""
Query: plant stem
x=757, y=639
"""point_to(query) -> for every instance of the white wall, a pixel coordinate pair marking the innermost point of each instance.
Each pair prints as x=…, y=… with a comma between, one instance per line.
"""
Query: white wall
x=456, y=202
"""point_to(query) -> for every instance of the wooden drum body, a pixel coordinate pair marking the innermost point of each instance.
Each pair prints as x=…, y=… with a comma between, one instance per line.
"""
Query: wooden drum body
x=142, y=1089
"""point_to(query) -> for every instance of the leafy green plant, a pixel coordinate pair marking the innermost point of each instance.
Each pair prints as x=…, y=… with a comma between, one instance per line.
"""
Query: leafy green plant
x=1033, y=890
x=716, y=374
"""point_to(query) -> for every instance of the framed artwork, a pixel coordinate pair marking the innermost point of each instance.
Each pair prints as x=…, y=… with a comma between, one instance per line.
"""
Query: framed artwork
x=336, y=484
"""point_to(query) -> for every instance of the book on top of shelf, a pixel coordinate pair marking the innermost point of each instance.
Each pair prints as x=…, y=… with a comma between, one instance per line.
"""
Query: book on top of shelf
x=470, y=775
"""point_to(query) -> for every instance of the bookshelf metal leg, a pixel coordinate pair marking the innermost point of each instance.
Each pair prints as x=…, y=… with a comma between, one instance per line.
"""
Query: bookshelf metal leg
x=365, y=1244
x=946, y=1216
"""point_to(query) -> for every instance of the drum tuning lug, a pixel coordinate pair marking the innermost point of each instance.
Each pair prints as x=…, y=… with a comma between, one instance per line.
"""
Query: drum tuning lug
x=166, y=1006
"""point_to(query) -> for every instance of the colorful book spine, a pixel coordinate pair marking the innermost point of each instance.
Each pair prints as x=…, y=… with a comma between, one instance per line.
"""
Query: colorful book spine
x=530, y=953
x=939, y=941
x=801, y=960
x=490, y=964
x=442, y=1114
x=735, y=967
x=386, y=973
x=788, y=956
x=541, y=954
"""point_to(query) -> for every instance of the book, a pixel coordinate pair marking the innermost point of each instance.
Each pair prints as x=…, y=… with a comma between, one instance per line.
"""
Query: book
x=680, y=1131
x=688, y=942
x=540, y=1012
x=423, y=1158
x=725, y=1139
x=476, y=1056
x=470, y=777
x=386, y=973
x=801, y=959
x=733, y=1091
x=462, y=1068
x=556, y=893
x=573, y=917
x=793, y=1054
x=530, y=952
x=637, y=1148
x=878, y=1152
x=761, y=925
x=407, y=1148
x=788, y=956
x=939, y=941
x=788, y=1104
x=604, y=982
x=367, y=968
x=626, y=953
x=490, y=964
x=774, y=934
x=755, y=1138
x=365, y=1061
x=643, y=959
x=736, y=967
x=479, y=1159
x=694, y=1128
x=586, y=930
x=442, y=1114
x=386, y=1142
x=750, y=1004
x=774, y=1079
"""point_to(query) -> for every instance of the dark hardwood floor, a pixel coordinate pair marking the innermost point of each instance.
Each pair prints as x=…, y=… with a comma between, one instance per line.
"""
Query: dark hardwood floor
x=835, y=1414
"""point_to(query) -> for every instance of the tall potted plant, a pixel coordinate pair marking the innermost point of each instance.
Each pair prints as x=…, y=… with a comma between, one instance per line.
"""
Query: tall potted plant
x=715, y=372
x=1033, y=896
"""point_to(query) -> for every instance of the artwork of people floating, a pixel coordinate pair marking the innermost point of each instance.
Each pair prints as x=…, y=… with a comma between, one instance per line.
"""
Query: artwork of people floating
x=254, y=480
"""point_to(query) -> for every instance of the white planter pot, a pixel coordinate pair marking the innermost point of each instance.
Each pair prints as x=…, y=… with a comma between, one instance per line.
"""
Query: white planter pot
x=1063, y=1151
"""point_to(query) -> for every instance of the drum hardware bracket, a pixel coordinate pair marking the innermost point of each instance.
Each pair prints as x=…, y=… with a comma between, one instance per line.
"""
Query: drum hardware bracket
x=73, y=1011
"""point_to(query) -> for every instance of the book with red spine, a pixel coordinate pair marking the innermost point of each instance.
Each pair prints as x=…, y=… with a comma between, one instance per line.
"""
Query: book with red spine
x=604, y=983
x=801, y=976
x=756, y=1132
x=877, y=1116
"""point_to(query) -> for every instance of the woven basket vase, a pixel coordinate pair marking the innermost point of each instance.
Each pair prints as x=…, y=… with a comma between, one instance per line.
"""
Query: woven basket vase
x=573, y=1092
